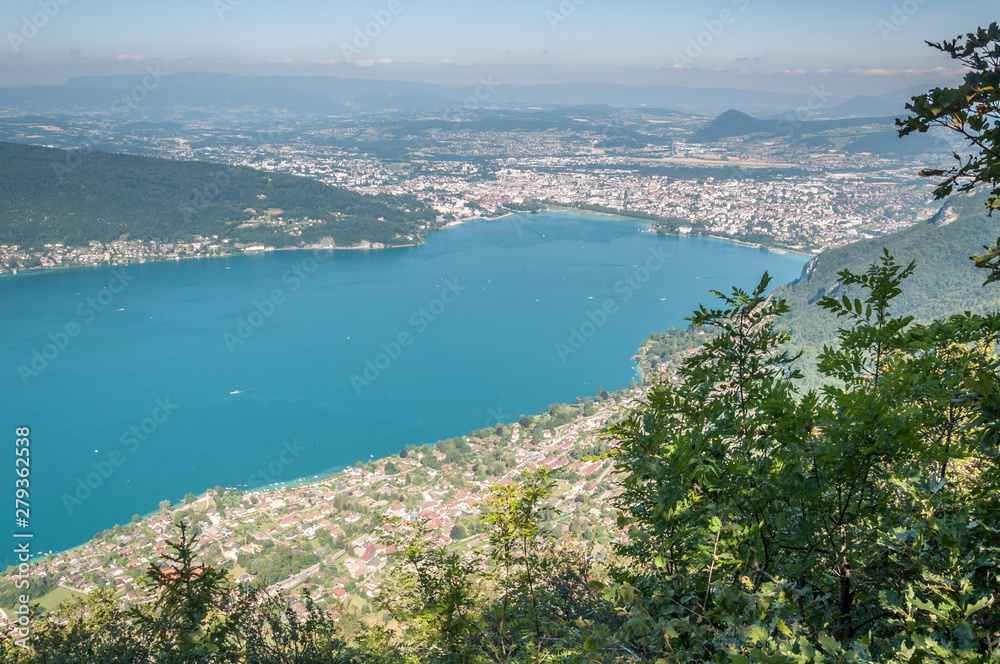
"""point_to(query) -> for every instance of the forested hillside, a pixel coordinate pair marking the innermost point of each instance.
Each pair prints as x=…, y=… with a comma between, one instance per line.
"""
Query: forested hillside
x=945, y=281
x=736, y=123
x=73, y=197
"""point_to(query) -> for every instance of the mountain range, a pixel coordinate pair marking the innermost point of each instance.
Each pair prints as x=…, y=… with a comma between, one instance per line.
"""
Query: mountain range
x=331, y=95
x=874, y=134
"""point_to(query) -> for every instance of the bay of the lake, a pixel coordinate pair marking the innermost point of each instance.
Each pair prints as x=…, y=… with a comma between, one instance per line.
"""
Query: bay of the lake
x=236, y=371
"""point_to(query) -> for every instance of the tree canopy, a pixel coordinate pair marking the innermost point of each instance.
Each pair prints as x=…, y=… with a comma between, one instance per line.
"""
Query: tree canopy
x=973, y=110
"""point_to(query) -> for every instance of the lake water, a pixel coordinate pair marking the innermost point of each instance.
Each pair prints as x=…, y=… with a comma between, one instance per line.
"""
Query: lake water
x=152, y=381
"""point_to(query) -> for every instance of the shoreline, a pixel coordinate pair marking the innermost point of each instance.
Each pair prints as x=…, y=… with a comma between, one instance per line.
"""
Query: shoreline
x=314, y=247
x=315, y=478
x=752, y=245
x=177, y=259
x=303, y=481
x=312, y=478
x=352, y=480
x=648, y=223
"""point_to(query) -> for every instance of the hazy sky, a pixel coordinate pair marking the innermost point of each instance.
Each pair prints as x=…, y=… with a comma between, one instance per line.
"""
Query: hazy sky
x=858, y=45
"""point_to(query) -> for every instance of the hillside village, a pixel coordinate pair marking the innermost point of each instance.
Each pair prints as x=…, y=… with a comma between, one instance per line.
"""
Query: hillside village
x=323, y=539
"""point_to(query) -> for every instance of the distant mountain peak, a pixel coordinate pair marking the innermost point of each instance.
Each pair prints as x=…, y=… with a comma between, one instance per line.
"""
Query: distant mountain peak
x=735, y=123
x=731, y=115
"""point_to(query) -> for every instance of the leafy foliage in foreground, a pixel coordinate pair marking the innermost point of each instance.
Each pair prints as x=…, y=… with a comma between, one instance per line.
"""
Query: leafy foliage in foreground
x=972, y=110
x=856, y=523
x=198, y=615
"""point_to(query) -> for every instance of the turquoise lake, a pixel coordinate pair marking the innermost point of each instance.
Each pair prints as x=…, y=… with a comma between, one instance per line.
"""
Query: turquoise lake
x=263, y=368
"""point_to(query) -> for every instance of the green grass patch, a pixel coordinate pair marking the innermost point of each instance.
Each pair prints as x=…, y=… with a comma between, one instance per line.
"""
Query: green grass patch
x=51, y=601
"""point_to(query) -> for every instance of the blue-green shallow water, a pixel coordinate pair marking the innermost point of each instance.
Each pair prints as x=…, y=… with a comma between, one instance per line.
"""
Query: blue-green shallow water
x=490, y=353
